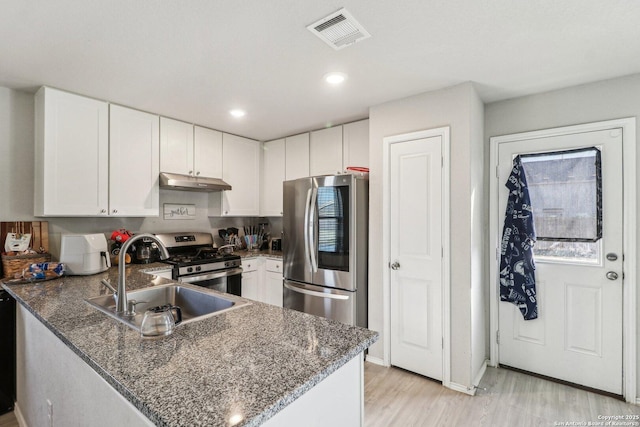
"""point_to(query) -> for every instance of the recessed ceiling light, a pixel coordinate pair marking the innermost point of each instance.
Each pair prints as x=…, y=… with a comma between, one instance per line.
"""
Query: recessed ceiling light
x=237, y=113
x=335, y=78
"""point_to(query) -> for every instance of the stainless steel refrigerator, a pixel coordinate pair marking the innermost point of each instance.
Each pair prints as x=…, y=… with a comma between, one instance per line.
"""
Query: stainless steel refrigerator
x=325, y=237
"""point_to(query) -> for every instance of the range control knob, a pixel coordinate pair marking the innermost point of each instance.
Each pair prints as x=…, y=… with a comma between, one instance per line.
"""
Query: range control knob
x=198, y=268
x=189, y=269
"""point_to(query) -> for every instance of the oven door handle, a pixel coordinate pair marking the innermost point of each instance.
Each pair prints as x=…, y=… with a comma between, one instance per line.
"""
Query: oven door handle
x=209, y=276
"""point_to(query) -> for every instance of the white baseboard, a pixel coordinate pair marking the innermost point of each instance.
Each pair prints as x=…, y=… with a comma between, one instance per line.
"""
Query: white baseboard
x=638, y=401
x=19, y=416
x=480, y=373
x=462, y=388
x=375, y=360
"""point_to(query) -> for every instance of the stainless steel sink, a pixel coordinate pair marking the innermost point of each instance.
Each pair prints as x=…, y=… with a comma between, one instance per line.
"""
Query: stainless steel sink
x=195, y=303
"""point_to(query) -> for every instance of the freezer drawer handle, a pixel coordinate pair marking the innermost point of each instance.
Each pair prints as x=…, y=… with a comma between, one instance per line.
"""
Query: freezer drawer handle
x=315, y=293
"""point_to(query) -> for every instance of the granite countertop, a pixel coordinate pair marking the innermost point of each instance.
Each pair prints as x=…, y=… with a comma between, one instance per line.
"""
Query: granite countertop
x=265, y=253
x=253, y=360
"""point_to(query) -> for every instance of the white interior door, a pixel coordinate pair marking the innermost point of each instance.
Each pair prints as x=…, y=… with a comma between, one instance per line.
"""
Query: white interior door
x=416, y=227
x=577, y=336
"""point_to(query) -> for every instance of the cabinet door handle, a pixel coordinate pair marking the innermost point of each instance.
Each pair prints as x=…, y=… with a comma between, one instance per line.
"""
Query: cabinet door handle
x=190, y=172
x=198, y=173
x=103, y=211
x=115, y=211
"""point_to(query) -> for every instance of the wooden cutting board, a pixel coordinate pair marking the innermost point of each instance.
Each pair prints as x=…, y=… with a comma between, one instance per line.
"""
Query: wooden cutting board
x=39, y=233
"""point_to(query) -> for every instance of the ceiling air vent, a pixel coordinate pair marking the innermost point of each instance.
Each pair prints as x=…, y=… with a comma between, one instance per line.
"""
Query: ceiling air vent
x=339, y=30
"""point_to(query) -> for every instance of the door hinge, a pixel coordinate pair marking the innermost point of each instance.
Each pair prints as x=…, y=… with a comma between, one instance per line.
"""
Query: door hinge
x=497, y=171
x=442, y=162
x=498, y=337
x=442, y=342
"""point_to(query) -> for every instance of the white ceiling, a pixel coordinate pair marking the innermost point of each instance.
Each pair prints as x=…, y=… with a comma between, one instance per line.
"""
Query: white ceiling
x=196, y=59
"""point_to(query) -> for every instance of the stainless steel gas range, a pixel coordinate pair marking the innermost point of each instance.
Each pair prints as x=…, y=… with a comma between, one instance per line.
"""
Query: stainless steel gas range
x=196, y=261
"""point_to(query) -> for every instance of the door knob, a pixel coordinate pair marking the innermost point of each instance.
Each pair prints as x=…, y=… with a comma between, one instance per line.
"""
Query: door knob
x=612, y=275
x=395, y=265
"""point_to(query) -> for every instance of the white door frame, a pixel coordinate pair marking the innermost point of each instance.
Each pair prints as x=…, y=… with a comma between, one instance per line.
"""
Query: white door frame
x=443, y=132
x=629, y=339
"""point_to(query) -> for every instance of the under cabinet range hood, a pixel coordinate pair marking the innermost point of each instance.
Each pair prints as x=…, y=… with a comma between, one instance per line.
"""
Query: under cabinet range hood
x=176, y=181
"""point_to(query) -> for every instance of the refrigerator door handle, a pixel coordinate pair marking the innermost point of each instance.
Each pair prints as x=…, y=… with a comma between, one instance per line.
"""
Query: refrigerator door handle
x=313, y=252
x=315, y=293
x=307, y=207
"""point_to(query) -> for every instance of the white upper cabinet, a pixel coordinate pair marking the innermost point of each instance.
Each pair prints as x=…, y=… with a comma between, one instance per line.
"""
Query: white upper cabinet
x=134, y=150
x=176, y=146
x=71, y=155
x=297, y=156
x=94, y=159
x=273, y=174
x=207, y=152
x=355, y=144
x=190, y=150
x=241, y=170
x=325, y=151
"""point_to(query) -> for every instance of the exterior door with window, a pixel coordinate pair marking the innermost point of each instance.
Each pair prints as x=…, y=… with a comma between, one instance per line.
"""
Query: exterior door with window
x=577, y=336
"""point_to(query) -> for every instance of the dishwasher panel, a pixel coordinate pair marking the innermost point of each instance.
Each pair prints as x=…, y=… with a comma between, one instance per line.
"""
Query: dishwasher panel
x=7, y=352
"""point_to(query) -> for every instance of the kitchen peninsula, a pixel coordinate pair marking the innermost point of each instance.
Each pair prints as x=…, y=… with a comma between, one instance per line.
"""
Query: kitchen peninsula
x=254, y=365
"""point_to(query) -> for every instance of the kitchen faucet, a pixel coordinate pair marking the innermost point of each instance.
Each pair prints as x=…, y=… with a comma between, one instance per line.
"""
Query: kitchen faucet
x=121, y=293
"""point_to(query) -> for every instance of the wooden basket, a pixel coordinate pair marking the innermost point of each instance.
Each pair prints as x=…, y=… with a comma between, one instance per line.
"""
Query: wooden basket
x=14, y=265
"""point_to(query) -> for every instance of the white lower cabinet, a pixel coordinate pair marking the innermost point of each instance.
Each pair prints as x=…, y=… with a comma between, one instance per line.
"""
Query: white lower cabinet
x=273, y=282
x=262, y=280
x=250, y=278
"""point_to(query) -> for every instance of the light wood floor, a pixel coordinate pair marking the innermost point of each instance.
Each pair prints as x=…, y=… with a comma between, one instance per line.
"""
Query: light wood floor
x=8, y=420
x=394, y=397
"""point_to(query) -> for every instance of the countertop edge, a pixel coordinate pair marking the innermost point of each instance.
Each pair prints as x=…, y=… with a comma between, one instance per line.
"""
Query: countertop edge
x=287, y=400
x=119, y=387
x=157, y=419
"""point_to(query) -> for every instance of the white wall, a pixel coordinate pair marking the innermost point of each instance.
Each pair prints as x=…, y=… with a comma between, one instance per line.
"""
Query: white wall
x=17, y=174
x=16, y=155
x=605, y=100
x=460, y=108
x=479, y=234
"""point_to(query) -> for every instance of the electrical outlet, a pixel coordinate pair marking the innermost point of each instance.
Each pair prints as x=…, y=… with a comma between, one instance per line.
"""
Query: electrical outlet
x=50, y=412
